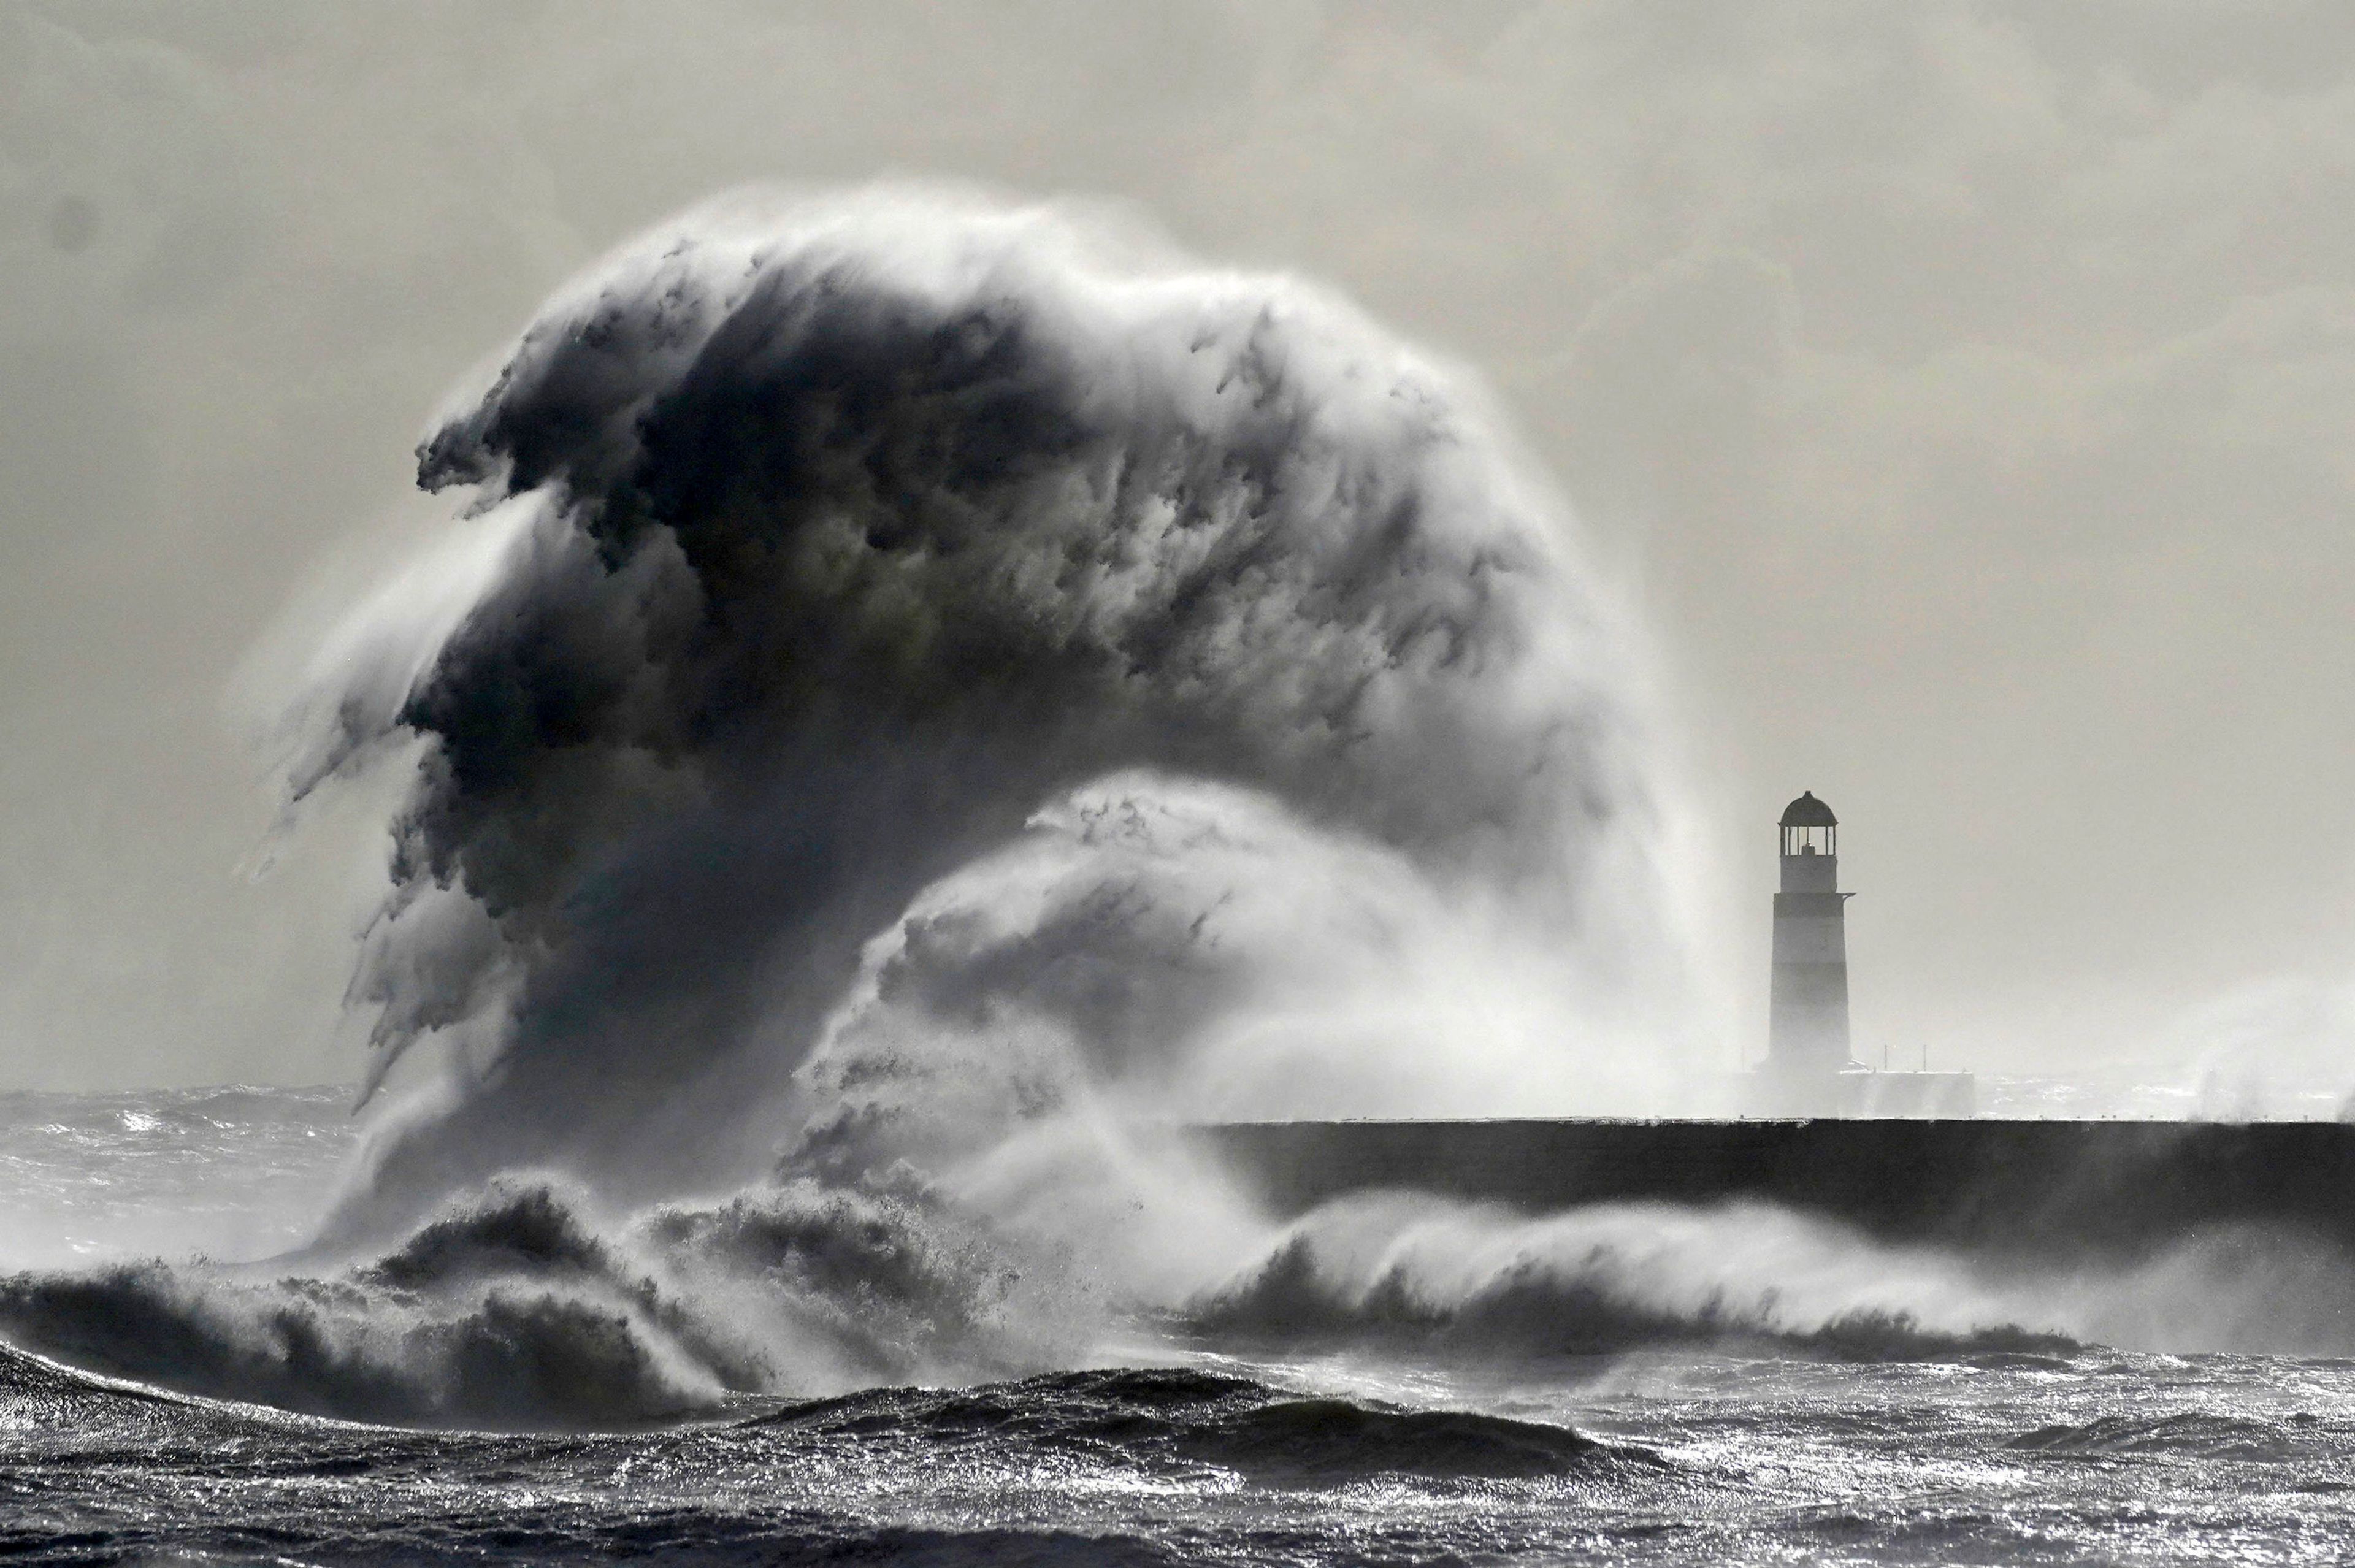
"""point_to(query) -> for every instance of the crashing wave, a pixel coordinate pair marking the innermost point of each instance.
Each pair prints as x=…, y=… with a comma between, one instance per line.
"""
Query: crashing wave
x=821, y=550
x=517, y=1307
x=1436, y=1277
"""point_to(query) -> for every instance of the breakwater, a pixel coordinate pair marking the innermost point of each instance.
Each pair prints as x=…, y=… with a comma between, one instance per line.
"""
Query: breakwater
x=2112, y=1188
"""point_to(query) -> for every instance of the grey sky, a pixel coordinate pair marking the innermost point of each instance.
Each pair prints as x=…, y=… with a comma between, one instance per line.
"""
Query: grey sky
x=1965, y=392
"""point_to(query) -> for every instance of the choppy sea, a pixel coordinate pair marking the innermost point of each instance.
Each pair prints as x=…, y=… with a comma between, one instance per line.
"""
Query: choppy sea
x=1996, y=1451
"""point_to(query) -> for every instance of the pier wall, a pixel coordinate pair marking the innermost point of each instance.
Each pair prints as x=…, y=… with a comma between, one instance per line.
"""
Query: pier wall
x=2108, y=1187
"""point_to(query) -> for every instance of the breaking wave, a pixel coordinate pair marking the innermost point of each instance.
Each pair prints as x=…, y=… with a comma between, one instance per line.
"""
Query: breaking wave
x=1430, y=1276
x=903, y=616
x=1438, y=1277
x=519, y=1308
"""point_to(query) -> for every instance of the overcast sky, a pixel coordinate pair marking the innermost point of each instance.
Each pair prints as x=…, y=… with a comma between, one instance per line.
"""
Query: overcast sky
x=1964, y=392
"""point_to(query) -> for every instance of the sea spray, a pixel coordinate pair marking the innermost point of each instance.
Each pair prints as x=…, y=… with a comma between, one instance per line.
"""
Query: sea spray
x=828, y=545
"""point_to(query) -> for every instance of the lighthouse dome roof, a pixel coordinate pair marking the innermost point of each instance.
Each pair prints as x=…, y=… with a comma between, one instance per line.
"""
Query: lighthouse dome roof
x=1809, y=812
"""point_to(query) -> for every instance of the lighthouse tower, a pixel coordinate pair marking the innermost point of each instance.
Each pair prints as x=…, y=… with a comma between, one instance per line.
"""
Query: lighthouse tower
x=1807, y=1011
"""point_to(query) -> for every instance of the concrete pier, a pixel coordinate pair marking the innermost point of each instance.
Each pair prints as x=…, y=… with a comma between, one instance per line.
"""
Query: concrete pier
x=2067, y=1189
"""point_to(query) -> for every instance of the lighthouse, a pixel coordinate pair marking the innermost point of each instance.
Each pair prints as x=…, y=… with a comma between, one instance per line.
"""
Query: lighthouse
x=1809, y=1071
x=1807, y=1031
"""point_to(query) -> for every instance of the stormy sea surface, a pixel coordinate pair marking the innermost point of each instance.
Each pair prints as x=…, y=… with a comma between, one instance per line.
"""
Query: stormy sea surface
x=2022, y=1448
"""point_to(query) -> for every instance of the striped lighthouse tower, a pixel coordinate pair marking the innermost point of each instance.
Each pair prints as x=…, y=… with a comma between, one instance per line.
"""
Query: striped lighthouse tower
x=1807, y=1011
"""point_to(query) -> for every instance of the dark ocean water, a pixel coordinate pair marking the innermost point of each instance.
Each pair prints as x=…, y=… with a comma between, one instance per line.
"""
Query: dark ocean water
x=1884, y=1448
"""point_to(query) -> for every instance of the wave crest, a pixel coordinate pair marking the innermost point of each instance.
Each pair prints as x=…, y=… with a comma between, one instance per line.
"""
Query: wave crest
x=1463, y=1281
x=517, y=1307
